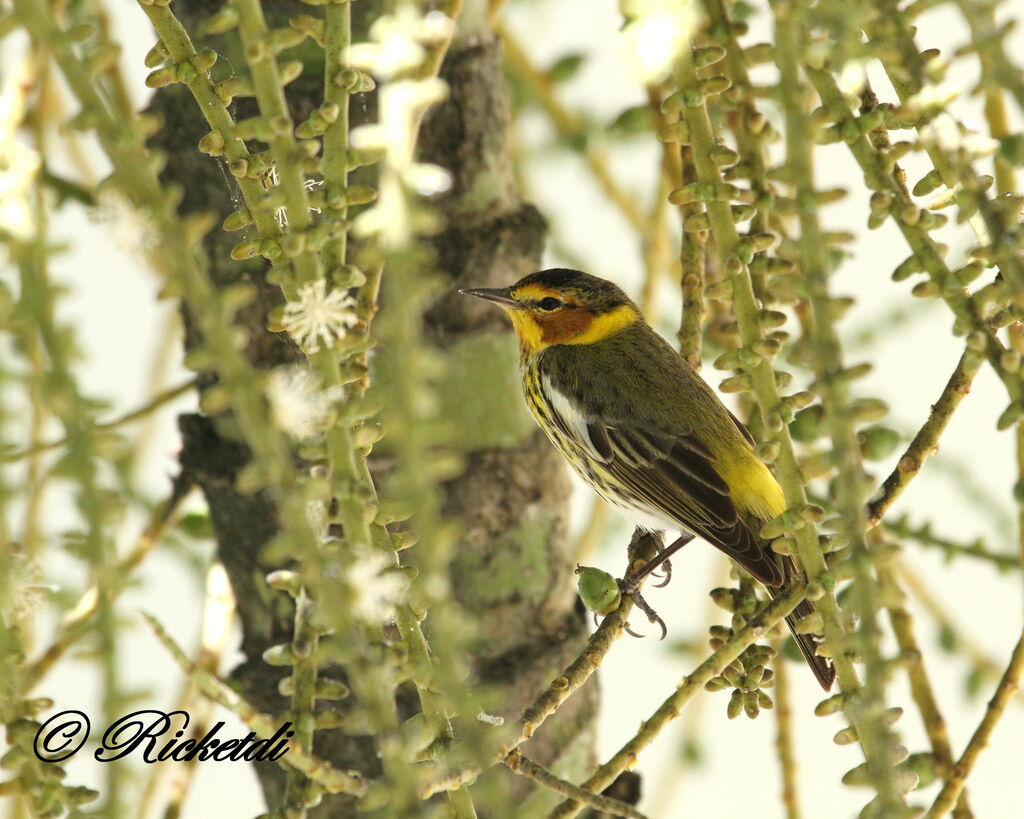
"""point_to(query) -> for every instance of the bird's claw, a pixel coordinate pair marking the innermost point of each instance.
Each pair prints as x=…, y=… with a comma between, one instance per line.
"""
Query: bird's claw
x=629, y=589
x=666, y=572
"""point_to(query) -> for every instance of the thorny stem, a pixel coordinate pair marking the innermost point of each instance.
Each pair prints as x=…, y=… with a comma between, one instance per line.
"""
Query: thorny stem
x=304, y=676
x=768, y=399
x=677, y=170
x=749, y=128
x=874, y=735
x=348, y=468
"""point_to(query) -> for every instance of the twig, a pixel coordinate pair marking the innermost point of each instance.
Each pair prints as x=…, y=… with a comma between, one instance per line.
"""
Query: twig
x=263, y=725
x=562, y=687
x=920, y=685
x=155, y=402
x=926, y=442
x=784, y=738
x=980, y=212
x=76, y=621
x=568, y=125
x=997, y=705
x=923, y=535
x=940, y=614
x=884, y=174
x=215, y=634
x=671, y=708
x=538, y=773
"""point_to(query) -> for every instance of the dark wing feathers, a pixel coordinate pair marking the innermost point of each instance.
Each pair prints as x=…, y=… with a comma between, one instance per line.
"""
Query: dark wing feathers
x=598, y=435
x=675, y=475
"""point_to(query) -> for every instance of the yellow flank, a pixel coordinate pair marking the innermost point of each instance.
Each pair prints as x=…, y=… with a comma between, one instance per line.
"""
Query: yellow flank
x=605, y=324
x=753, y=488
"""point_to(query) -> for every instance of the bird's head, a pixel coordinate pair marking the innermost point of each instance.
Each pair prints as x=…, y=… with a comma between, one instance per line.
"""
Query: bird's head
x=562, y=306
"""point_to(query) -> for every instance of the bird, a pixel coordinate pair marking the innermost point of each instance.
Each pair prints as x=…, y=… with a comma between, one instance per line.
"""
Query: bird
x=643, y=429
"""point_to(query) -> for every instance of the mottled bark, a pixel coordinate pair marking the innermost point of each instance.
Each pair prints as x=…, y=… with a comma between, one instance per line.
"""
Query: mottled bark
x=512, y=570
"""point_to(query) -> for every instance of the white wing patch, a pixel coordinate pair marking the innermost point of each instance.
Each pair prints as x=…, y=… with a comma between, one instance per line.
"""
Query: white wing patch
x=572, y=419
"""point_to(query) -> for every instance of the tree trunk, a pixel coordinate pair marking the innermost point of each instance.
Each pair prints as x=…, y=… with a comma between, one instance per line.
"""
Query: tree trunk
x=512, y=570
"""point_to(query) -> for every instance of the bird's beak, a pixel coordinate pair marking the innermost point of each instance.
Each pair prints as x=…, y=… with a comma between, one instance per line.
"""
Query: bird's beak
x=499, y=296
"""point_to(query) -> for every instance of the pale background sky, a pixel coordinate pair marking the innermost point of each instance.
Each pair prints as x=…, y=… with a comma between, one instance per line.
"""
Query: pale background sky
x=112, y=305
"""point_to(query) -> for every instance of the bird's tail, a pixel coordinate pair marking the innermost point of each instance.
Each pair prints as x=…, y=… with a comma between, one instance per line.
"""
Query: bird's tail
x=822, y=667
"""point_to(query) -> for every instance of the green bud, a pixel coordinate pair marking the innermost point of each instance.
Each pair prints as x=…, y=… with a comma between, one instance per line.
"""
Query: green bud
x=245, y=250
x=811, y=624
x=784, y=546
x=724, y=598
x=845, y=736
x=1010, y=416
x=723, y=156
x=832, y=705
x=162, y=77
x=224, y=19
x=907, y=268
x=205, y=59
x=637, y=119
x=923, y=767
x=156, y=55
x=709, y=55
x=285, y=580
x=212, y=144
x=868, y=409
x=281, y=654
x=598, y=590
x=566, y=67
x=714, y=85
x=736, y=383
x=770, y=319
x=238, y=220
x=878, y=442
x=768, y=451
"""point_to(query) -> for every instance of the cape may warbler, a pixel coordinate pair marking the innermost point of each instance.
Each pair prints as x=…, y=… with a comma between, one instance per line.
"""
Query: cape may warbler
x=642, y=428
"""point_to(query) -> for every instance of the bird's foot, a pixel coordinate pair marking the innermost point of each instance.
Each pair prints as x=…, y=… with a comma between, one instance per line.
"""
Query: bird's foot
x=629, y=589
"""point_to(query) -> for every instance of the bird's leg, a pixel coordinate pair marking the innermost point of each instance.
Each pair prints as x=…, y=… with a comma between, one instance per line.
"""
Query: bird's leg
x=632, y=582
x=631, y=585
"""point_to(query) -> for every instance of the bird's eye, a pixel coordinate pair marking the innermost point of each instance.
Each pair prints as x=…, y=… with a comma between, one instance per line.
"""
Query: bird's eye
x=549, y=304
